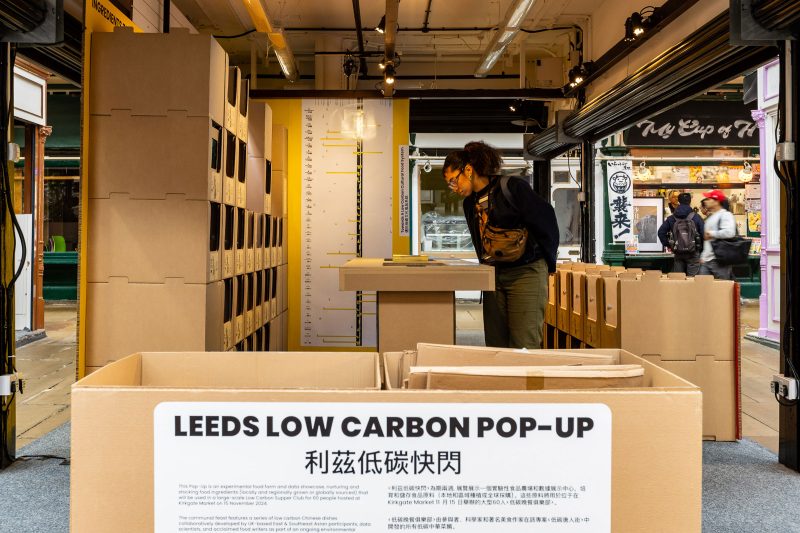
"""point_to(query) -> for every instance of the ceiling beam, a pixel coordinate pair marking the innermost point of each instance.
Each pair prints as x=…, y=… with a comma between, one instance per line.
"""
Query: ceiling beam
x=530, y=94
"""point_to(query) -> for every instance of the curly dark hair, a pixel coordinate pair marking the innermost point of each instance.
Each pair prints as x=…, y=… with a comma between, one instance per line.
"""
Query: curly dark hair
x=484, y=159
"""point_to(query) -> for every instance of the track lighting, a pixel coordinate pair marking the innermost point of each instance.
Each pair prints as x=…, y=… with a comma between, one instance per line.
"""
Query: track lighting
x=512, y=107
x=349, y=66
x=381, y=27
x=639, y=22
x=382, y=64
x=389, y=74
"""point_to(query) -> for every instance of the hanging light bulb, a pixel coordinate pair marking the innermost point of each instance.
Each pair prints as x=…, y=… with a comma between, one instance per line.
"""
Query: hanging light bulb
x=746, y=174
x=388, y=74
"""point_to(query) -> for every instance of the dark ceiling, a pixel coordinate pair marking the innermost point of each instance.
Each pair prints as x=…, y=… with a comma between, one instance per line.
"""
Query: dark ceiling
x=484, y=115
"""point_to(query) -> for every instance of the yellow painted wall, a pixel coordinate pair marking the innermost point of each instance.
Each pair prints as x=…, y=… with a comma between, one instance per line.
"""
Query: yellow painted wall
x=288, y=113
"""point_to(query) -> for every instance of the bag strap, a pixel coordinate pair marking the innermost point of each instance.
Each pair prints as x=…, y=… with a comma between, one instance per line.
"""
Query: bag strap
x=691, y=216
x=507, y=192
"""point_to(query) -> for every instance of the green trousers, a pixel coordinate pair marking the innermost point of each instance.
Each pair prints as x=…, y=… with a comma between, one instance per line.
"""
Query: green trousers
x=513, y=314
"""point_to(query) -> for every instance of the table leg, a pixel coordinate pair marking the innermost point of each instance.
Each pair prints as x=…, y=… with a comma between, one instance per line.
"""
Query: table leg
x=407, y=318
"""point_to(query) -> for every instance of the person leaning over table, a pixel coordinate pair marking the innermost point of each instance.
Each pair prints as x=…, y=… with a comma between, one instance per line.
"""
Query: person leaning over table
x=720, y=224
x=513, y=314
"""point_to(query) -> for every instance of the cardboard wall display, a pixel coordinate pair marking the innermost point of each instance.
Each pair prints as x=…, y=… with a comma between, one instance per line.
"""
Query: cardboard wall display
x=550, y=313
x=147, y=241
x=150, y=157
x=112, y=475
x=240, y=240
x=406, y=318
x=689, y=326
x=278, y=182
x=229, y=221
x=241, y=173
x=250, y=241
x=280, y=146
x=258, y=238
x=123, y=318
x=154, y=73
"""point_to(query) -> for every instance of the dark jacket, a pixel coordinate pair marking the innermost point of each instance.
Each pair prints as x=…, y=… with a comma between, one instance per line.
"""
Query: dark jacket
x=682, y=211
x=529, y=210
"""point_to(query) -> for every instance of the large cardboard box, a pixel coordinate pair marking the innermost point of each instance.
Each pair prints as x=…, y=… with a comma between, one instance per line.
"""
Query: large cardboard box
x=147, y=241
x=229, y=291
x=370, y=274
x=550, y=313
x=122, y=318
x=267, y=241
x=150, y=157
x=249, y=309
x=280, y=146
x=277, y=183
x=259, y=300
x=258, y=242
x=130, y=423
x=689, y=326
x=240, y=298
x=256, y=184
x=154, y=73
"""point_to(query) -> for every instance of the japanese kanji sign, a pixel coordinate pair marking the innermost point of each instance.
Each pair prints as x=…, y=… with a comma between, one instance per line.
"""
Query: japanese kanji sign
x=620, y=199
x=370, y=467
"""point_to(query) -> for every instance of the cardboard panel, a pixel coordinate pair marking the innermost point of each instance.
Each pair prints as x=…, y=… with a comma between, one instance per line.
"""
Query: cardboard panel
x=150, y=157
x=240, y=263
x=148, y=241
x=552, y=298
x=277, y=181
x=525, y=377
x=258, y=242
x=228, y=241
x=239, y=303
x=250, y=242
x=242, y=126
x=233, y=82
x=249, y=308
x=149, y=74
x=267, y=241
x=241, y=173
x=676, y=307
x=228, y=314
x=408, y=318
x=258, y=295
x=259, y=128
x=256, y=176
x=448, y=355
x=371, y=275
x=577, y=314
x=717, y=380
x=122, y=318
x=564, y=298
x=279, y=147
x=230, y=167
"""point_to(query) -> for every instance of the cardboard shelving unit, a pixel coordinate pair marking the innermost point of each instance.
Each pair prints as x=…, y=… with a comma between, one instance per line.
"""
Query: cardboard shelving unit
x=182, y=256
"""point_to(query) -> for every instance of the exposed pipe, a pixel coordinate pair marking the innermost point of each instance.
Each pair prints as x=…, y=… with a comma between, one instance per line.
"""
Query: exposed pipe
x=262, y=24
x=425, y=28
x=459, y=29
x=359, y=36
x=389, y=39
x=515, y=15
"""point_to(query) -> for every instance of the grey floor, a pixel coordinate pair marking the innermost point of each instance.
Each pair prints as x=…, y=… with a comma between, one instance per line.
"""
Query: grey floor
x=744, y=489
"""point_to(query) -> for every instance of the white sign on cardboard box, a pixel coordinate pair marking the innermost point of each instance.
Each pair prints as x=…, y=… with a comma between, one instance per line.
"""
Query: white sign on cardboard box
x=620, y=199
x=366, y=467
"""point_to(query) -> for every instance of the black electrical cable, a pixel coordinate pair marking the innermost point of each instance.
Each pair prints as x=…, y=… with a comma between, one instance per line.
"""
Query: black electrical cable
x=248, y=32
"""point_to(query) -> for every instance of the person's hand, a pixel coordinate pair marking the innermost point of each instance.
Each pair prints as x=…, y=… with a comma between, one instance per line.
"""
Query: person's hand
x=708, y=236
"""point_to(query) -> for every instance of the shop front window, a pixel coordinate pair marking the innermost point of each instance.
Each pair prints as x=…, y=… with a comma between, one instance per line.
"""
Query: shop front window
x=61, y=213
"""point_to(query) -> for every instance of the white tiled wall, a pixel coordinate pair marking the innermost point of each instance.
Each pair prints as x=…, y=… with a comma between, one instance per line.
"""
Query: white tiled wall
x=147, y=15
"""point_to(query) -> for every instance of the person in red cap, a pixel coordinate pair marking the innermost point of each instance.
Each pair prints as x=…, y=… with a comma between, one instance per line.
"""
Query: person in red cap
x=720, y=224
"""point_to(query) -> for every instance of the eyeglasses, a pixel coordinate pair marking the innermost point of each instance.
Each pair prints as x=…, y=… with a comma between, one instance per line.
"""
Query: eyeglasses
x=453, y=182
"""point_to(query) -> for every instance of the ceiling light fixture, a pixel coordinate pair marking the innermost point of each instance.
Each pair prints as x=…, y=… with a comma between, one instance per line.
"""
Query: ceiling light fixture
x=389, y=74
x=515, y=15
x=512, y=107
x=381, y=27
x=639, y=22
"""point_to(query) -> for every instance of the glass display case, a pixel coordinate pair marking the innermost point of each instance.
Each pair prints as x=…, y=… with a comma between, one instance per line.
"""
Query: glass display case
x=445, y=233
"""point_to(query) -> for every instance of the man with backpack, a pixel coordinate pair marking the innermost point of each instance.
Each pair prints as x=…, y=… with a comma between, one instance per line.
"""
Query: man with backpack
x=682, y=232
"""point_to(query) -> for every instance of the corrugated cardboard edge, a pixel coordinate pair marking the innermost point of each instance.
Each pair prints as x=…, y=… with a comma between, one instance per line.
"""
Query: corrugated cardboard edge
x=737, y=360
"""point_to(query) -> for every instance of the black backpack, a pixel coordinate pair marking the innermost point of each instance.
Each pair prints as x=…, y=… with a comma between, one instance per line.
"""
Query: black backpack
x=684, y=238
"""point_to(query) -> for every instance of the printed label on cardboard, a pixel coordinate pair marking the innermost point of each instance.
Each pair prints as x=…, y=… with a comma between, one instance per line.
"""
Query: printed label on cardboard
x=366, y=467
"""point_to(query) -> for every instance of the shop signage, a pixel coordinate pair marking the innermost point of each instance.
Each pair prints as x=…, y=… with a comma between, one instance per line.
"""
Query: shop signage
x=366, y=467
x=405, y=208
x=697, y=124
x=620, y=199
